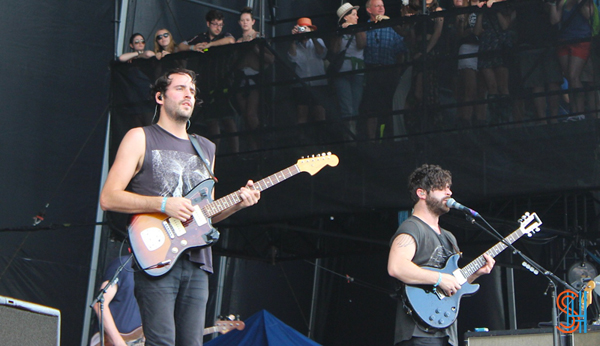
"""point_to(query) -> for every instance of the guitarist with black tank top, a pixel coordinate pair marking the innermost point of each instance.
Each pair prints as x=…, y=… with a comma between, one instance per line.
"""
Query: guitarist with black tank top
x=419, y=242
x=155, y=167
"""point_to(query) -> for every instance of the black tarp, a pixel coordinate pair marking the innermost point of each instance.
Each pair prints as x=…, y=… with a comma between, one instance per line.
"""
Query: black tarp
x=53, y=122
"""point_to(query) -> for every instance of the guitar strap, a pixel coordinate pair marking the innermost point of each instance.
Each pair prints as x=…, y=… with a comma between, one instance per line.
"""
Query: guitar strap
x=202, y=155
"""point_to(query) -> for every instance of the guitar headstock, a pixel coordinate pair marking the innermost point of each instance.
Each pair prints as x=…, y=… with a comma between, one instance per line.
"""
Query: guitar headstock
x=530, y=223
x=587, y=290
x=230, y=322
x=314, y=163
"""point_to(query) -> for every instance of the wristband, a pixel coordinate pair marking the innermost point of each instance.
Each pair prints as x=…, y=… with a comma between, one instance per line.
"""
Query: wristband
x=163, y=205
x=439, y=280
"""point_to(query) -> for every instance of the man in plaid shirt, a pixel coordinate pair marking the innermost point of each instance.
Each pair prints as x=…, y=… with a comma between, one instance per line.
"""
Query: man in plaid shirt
x=384, y=47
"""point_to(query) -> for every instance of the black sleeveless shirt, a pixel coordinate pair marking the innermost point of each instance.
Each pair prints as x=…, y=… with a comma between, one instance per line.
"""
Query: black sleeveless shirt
x=173, y=168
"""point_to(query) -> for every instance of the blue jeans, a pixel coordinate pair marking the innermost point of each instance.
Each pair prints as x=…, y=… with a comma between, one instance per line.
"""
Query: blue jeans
x=173, y=306
x=349, y=90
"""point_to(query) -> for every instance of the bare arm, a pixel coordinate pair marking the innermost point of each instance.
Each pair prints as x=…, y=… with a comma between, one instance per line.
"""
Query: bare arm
x=319, y=47
x=221, y=42
x=110, y=328
x=587, y=9
x=128, y=56
x=184, y=46
x=128, y=162
x=401, y=267
x=292, y=50
x=437, y=32
x=555, y=11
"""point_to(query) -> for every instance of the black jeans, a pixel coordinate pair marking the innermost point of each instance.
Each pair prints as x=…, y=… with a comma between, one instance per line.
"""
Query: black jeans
x=425, y=342
x=173, y=306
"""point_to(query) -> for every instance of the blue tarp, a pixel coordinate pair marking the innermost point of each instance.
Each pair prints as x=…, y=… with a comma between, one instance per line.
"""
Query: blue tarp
x=263, y=329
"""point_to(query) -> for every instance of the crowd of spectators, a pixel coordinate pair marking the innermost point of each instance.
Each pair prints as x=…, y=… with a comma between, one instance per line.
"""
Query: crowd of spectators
x=444, y=64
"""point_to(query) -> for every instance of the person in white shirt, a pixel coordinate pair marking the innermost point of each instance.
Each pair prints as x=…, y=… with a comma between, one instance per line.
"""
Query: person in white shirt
x=308, y=55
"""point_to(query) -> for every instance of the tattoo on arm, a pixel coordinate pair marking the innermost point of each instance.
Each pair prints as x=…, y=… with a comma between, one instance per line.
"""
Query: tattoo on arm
x=404, y=241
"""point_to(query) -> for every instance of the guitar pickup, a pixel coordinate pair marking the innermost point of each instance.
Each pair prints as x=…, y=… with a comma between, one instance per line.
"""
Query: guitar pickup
x=177, y=227
x=199, y=216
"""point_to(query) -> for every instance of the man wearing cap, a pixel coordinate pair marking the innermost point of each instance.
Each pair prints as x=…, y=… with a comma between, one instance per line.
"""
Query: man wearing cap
x=384, y=47
x=212, y=38
x=308, y=55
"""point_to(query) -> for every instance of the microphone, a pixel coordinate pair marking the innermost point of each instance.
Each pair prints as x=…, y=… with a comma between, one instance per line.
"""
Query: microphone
x=451, y=203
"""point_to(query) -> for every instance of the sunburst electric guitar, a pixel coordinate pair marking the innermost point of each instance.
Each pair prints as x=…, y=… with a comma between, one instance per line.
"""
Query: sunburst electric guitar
x=436, y=309
x=157, y=240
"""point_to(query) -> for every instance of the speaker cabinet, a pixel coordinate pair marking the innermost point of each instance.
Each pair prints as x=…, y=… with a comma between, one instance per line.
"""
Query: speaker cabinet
x=23, y=323
x=532, y=337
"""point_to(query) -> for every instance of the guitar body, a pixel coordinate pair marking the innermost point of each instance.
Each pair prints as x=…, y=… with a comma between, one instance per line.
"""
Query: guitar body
x=133, y=338
x=158, y=239
x=436, y=309
x=439, y=311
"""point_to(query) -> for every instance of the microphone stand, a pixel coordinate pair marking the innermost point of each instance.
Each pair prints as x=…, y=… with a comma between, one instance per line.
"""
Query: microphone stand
x=533, y=267
x=100, y=298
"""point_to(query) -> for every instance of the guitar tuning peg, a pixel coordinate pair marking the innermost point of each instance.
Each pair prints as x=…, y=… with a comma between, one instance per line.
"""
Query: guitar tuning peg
x=328, y=153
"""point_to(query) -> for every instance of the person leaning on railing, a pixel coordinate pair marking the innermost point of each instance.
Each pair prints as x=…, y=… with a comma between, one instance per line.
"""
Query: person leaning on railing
x=138, y=44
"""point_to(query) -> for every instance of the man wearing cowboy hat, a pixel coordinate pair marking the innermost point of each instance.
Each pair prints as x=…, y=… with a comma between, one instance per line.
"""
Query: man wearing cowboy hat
x=308, y=55
x=384, y=47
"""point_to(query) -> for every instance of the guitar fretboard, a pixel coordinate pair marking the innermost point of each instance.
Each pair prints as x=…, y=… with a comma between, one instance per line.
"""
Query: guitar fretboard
x=233, y=198
x=479, y=262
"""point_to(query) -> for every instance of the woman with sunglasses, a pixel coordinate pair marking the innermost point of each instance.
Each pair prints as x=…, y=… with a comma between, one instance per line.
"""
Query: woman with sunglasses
x=164, y=44
x=138, y=44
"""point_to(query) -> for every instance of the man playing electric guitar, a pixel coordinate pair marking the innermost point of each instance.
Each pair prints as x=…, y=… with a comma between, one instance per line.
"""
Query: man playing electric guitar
x=420, y=241
x=154, y=168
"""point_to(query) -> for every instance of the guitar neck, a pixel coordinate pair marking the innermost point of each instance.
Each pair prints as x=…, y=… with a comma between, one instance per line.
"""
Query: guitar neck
x=233, y=198
x=211, y=330
x=480, y=261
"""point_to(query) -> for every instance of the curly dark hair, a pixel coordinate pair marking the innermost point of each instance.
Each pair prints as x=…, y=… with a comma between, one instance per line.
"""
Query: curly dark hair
x=428, y=177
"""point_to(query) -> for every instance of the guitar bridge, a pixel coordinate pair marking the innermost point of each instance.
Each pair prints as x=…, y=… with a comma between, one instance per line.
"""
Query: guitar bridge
x=168, y=228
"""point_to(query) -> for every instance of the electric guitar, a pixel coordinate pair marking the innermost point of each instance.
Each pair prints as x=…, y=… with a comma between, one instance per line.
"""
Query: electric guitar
x=157, y=240
x=437, y=310
x=136, y=337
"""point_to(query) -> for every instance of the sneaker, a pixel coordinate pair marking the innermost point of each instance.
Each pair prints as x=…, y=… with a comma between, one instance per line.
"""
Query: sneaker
x=575, y=118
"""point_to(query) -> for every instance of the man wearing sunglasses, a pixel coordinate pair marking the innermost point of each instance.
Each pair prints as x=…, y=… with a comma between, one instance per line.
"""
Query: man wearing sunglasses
x=212, y=38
